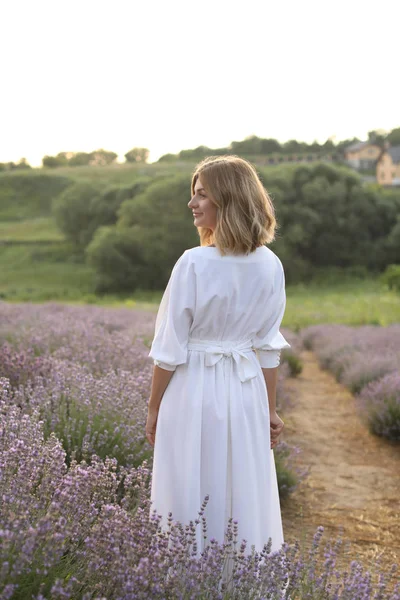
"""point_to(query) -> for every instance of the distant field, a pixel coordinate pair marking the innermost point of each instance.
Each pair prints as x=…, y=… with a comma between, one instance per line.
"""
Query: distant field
x=121, y=174
x=41, y=229
x=355, y=303
x=37, y=265
x=33, y=274
x=41, y=272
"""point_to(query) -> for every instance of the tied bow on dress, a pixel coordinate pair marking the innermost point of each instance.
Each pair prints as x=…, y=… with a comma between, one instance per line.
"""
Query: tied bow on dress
x=239, y=351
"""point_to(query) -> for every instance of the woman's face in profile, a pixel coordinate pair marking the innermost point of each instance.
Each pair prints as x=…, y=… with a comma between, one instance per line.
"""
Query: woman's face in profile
x=205, y=212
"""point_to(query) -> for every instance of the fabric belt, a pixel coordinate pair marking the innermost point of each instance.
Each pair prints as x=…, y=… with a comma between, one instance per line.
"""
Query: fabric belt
x=238, y=350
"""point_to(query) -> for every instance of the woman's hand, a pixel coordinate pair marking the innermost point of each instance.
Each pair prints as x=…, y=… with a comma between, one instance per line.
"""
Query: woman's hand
x=151, y=426
x=276, y=428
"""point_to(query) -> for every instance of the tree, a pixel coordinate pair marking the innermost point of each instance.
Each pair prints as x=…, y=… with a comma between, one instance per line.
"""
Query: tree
x=74, y=210
x=377, y=137
x=22, y=164
x=116, y=254
x=294, y=147
x=168, y=157
x=342, y=145
x=80, y=159
x=249, y=146
x=270, y=145
x=50, y=162
x=84, y=207
x=195, y=153
x=137, y=155
x=100, y=158
x=163, y=226
x=394, y=137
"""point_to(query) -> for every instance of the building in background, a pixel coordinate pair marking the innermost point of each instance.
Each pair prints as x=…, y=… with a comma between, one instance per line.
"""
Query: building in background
x=362, y=155
x=388, y=166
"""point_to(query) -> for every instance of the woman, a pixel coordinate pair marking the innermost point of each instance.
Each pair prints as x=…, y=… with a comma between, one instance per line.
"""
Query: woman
x=212, y=412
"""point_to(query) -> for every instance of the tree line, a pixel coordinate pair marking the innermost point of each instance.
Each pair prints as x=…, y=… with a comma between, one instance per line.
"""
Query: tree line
x=251, y=146
x=326, y=217
x=97, y=158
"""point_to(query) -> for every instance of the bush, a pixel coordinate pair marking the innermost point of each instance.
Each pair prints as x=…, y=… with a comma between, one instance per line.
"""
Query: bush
x=391, y=277
x=90, y=531
x=26, y=195
x=379, y=405
x=74, y=211
x=294, y=362
x=153, y=229
x=84, y=207
x=117, y=255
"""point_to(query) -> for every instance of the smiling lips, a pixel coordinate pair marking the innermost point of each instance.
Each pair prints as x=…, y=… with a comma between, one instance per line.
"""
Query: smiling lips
x=196, y=214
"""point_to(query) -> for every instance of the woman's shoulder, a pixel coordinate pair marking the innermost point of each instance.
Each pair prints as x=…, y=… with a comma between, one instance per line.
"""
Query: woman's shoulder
x=262, y=254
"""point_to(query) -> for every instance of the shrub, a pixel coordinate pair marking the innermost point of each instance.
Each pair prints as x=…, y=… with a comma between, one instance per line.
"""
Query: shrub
x=379, y=405
x=26, y=195
x=294, y=361
x=90, y=532
x=391, y=277
x=84, y=207
x=21, y=366
x=358, y=357
x=117, y=255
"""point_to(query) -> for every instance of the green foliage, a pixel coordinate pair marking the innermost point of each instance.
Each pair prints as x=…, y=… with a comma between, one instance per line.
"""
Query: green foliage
x=377, y=137
x=286, y=477
x=394, y=137
x=117, y=256
x=153, y=229
x=74, y=212
x=52, y=162
x=137, y=155
x=40, y=229
x=98, y=158
x=41, y=272
x=391, y=277
x=329, y=218
x=12, y=166
x=294, y=362
x=353, y=302
x=28, y=194
x=332, y=229
x=85, y=206
x=164, y=225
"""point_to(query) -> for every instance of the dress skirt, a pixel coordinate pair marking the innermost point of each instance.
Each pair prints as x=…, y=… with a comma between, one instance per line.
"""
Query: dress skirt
x=213, y=438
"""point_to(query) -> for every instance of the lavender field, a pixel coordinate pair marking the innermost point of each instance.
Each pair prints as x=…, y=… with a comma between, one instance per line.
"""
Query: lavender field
x=76, y=518
x=366, y=360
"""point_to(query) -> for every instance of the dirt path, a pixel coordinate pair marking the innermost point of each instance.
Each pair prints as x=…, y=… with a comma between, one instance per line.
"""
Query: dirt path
x=354, y=483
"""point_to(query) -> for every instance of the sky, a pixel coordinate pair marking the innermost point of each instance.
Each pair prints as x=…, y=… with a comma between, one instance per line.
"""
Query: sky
x=172, y=75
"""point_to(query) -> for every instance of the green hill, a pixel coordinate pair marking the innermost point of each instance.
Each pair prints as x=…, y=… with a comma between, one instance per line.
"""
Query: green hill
x=36, y=262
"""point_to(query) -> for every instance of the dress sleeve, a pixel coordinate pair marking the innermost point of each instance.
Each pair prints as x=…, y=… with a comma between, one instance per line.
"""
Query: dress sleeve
x=175, y=316
x=268, y=342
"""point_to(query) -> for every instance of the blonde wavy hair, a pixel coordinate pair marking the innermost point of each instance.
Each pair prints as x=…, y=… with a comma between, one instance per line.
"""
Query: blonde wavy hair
x=245, y=213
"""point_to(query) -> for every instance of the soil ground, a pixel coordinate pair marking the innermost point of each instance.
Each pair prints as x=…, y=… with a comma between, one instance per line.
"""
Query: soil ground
x=353, y=488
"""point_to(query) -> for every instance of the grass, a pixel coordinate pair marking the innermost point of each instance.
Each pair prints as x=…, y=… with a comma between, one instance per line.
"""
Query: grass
x=47, y=272
x=362, y=302
x=38, y=273
x=36, y=264
x=40, y=229
x=120, y=174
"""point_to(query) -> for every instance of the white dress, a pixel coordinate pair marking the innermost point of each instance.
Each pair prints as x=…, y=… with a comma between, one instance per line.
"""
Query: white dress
x=213, y=431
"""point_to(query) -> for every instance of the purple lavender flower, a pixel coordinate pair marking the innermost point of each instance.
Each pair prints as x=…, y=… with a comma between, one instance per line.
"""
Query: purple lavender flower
x=379, y=404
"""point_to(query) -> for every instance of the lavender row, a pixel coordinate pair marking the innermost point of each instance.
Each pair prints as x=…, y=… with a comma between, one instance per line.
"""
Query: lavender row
x=367, y=360
x=88, y=532
x=86, y=370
